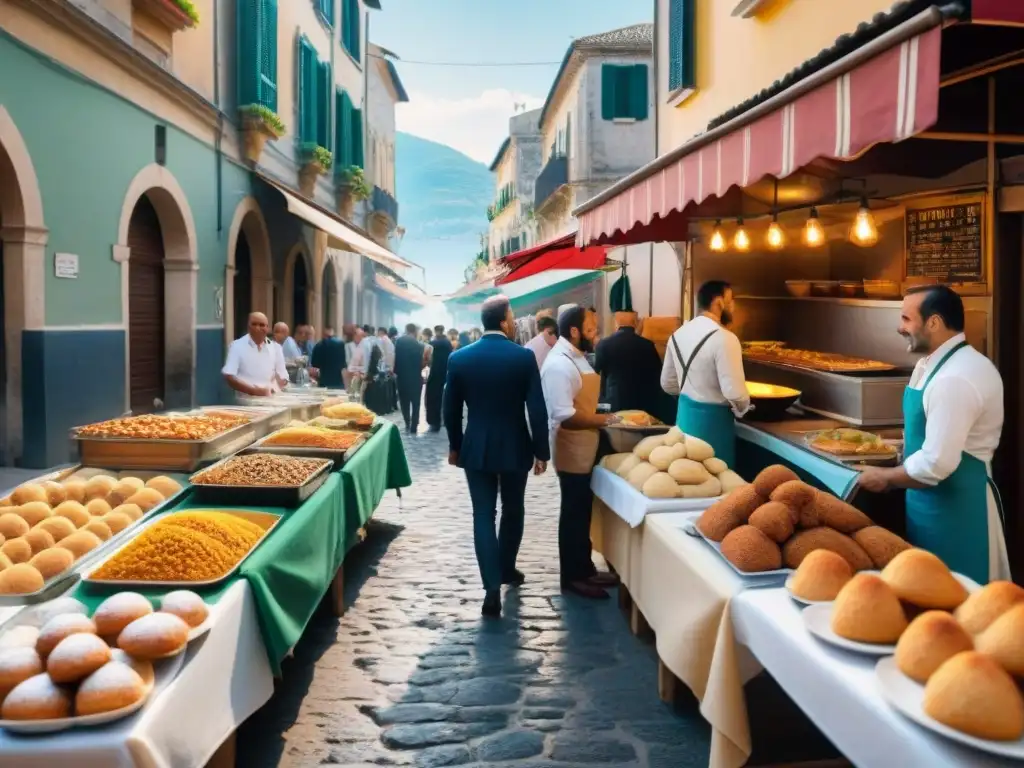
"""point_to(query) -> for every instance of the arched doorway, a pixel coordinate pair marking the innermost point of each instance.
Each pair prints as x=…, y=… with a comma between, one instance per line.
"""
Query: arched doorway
x=300, y=293
x=243, y=287
x=330, y=293
x=349, y=307
x=146, y=324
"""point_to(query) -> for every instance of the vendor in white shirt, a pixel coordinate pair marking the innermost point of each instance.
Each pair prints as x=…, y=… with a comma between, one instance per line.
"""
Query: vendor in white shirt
x=953, y=419
x=704, y=366
x=255, y=364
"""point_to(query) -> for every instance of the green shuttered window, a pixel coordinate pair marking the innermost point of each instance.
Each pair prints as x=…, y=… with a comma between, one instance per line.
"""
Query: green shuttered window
x=325, y=10
x=308, y=84
x=357, y=137
x=624, y=91
x=350, y=32
x=324, y=90
x=682, y=49
x=348, y=135
x=257, y=53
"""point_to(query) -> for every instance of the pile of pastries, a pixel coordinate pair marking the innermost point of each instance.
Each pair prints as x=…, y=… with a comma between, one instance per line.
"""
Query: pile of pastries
x=852, y=442
x=73, y=665
x=46, y=527
x=261, y=469
x=200, y=426
x=674, y=465
x=637, y=419
x=310, y=436
x=188, y=546
x=359, y=415
x=779, y=520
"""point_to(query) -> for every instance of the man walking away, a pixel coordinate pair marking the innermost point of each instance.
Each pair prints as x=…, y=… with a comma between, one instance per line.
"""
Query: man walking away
x=630, y=369
x=442, y=350
x=409, y=376
x=329, y=359
x=547, y=335
x=498, y=382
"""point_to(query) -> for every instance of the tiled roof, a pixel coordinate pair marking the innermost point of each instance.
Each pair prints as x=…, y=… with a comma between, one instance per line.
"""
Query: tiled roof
x=637, y=38
x=866, y=31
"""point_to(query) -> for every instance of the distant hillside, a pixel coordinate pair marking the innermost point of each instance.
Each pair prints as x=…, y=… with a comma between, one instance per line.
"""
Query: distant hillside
x=443, y=197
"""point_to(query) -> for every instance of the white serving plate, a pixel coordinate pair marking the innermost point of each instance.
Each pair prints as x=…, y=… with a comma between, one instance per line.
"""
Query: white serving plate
x=693, y=530
x=818, y=620
x=803, y=600
x=907, y=697
x=968, y=583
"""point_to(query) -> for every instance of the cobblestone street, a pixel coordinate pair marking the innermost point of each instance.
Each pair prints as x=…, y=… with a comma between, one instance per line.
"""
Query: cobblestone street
x=411, y=675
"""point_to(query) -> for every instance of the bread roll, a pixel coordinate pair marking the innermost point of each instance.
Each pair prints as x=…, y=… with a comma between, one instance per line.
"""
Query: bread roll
x=17, y=663
x=99, y=529
x=99, y=486
x=23, y=494
x=55, y=493
x=21, y=636
x=74, y=512
x=117, y=521
x=660, y=486
x=112, y=687
x=627, y=465
x=612, y=462
x=143, y=668
x=731, y=481
x=186, y=605
x=750, y=550
x=20, y=579
x=697, y=449
x=75, y=657
x=930, y=639
x=868, y=611
x=986, y=605
x=75, y=490
x=61, y=605
x=709, y=489
x=37, y=698
x=974, y=695
x=118, y=611
x=1003, y=640
x=52, y=562
x=164, y=485
x=675, y=436
x=715, y=466
x=124, y=490
x=17, y=550
x=62, y=626
x=640, y=474
x=80, y=543
x=39, y=540
x=155, y=636
x=820, y=576
x=98, y=507
x=34, y=512
x=922, y=579
x=58, y=527
x=688, y=472
x=663, y=455
x=12, y=525
x=643, y=449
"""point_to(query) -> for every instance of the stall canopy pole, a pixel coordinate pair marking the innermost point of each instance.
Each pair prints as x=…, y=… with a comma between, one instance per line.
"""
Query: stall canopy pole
x=990, y=220
x=650, y=283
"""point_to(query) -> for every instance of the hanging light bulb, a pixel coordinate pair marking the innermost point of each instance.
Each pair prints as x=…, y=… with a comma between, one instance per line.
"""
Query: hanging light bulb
x=741, y=240
x=864, y=231
x=814, y=233
x=717, y=243
x=776, y=238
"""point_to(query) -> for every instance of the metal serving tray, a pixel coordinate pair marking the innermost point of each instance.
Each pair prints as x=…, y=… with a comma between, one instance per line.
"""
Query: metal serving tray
x=339, y=457
x=122, y=584
x=259, y=495
x=264, y=419
x=691, y=529
x=62, y=582
x=154, y=454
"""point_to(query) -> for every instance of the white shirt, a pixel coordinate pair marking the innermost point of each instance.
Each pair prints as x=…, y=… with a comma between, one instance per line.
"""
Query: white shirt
x=716, y=374
x=561, y=378
x=539, y=346
x=963, y=405
x=257, y=366
x=387, y=348
x=361, y=357
x=290, y=348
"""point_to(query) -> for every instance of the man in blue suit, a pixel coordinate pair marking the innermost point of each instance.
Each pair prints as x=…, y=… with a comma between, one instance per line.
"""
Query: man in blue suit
x=498, y=381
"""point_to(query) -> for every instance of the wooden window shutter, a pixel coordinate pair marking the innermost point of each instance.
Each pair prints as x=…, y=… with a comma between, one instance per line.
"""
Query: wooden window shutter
x=350, y=36
x=357, y=138
x=638, y=92
x=308, y=79
x=344, y=143
x=609, y=87
x=682, y=68
x=325, y=87
x=267, y=55
x=568, y=133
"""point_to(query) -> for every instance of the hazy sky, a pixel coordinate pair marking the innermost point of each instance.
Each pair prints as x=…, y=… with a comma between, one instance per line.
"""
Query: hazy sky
x=467, y=107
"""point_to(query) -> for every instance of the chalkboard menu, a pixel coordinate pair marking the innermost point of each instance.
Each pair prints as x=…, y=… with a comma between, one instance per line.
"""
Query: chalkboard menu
x=945, y=243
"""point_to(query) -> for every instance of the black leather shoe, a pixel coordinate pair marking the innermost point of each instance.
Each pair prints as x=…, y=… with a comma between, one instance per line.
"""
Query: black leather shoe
x=492, y=604
x=516, y=579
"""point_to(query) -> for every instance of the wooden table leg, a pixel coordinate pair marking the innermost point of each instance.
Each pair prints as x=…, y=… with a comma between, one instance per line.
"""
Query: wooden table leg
x=624, y=598
x=666, y=683
x=637, y=623
x=338, y=592
x=224, y=757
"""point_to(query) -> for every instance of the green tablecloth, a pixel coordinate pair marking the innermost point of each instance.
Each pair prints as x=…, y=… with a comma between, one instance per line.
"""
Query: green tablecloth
x=292, y=569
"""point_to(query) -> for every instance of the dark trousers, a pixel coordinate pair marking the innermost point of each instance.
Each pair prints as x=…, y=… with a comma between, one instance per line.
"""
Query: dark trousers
x=435, y=393
x=574, y=547
x=496, y=552
x=409, y=401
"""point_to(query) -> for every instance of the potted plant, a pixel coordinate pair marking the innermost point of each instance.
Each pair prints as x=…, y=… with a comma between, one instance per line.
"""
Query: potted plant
x=259, y=123
x=316, y=161
x=352, y=188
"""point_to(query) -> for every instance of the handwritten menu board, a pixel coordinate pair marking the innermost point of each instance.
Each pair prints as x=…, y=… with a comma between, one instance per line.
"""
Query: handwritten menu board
x=945, y=243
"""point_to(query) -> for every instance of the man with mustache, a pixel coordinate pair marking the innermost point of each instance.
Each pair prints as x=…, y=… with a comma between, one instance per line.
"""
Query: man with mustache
x=572, y=390
x=953, y=419
x=704, y=366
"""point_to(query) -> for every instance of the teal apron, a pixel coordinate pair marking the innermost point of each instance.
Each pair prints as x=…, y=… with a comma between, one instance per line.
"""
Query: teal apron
x=950, y=519
x=712, y=423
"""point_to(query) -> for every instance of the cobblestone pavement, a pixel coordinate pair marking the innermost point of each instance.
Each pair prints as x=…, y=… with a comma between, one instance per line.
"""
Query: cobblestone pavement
x=412, y=675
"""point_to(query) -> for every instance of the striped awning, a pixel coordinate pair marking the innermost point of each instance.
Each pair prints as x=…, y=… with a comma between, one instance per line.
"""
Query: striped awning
x=849, y=106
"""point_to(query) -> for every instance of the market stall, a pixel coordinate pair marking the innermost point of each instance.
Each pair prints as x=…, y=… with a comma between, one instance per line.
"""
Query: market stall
x=257, y=570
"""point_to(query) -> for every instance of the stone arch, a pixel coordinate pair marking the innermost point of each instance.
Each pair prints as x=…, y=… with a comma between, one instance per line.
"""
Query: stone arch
x=23, y=238
x=249, y=219
x=285, y=300
x=181, y=269
x=330, y=293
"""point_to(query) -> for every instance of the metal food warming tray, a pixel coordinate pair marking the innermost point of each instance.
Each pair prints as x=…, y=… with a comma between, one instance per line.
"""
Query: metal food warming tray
x=338, y=456
x=156, y=454
x=259, y=495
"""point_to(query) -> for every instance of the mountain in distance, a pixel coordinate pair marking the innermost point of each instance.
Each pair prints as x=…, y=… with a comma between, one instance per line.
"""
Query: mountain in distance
x=443, y=197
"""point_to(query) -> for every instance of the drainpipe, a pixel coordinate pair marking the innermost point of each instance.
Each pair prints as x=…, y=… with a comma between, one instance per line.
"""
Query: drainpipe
x=657, y=141
x=218, y=155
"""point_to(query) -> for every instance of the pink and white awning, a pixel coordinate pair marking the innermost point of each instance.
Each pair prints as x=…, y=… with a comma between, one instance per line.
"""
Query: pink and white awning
x=887, y=98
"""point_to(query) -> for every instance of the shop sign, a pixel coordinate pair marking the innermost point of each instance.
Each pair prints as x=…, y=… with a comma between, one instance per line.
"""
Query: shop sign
x=65, y=265
x=945, y=242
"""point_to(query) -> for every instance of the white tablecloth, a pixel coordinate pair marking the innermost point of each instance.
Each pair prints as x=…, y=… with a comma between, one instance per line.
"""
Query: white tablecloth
x=225, y=679
x=631, y=505
x=838, y=692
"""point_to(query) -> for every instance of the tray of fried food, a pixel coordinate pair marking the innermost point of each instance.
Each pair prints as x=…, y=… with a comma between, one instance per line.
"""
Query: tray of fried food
x=359, y=416
x=637, y=420
x=264, y=479
x=847, y=444
x=301, y=439
x=195, y=426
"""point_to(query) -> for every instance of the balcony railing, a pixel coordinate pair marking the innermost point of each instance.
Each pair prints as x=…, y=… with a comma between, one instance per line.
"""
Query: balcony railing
x=555, y=174
x=383, y=201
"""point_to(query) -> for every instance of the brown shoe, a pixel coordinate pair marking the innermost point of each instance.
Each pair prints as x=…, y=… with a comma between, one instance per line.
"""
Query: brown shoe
x=586, y=589
x=604, y=579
